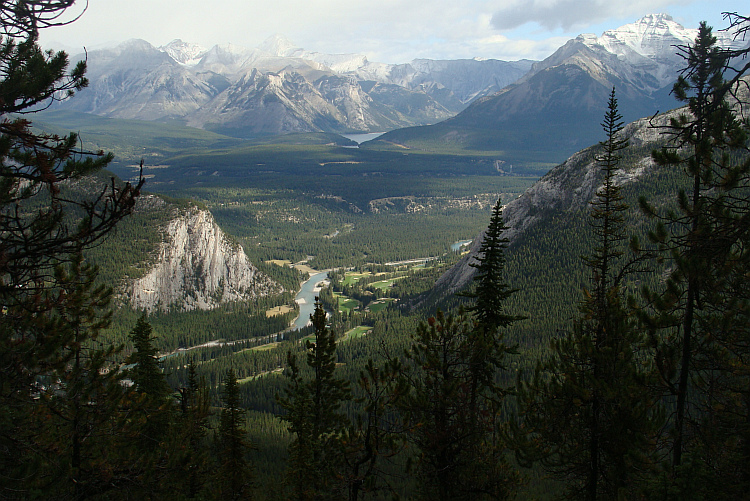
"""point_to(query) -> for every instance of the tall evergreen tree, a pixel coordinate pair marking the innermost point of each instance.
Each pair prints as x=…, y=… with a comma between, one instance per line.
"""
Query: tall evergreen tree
x=191, y=430
x=699, y=319
x=235, y=477
x=153, y=414
x=42, y=229
x=312, y=402
x=588, y=415
x=453, y=409
x=491, y=292
x=146, y=372
x=460, y=454
x=75, y=412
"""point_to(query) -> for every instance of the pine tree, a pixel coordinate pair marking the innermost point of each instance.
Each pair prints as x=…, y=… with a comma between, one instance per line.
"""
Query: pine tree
x=191, y=431
x=372, y=439
x=699, y=319
x=235, y=477
x=44, y=230
x=76, y=409
x=312, y=402
x=153, y=414
x=588, y=415
x=146, y=372
x=458, y=454
x=491, y=292
x=457, y=365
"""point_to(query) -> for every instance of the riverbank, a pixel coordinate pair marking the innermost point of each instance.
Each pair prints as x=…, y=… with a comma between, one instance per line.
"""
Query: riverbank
x=305, y=298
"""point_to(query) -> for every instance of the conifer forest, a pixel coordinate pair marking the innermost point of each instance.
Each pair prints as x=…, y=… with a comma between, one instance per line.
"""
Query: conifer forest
x=602, y=353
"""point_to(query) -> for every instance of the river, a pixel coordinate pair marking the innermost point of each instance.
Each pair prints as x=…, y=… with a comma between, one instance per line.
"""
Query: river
x=457, y=245
x=306, y=299
x=361, y=138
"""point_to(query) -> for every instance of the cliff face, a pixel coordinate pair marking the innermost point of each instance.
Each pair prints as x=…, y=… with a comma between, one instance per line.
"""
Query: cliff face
x=567, y=187
x=198, y=267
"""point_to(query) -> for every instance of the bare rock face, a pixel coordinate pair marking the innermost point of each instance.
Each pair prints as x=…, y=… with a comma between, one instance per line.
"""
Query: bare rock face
x=566, y=187
x=572, y=184
x=197, y=266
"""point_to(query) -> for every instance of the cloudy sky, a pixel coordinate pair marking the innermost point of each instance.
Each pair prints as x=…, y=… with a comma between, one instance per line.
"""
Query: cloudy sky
x=390, y=31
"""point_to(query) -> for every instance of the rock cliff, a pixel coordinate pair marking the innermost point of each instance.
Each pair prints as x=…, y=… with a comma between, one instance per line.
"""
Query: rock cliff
x=197, y=267
x=567, y=187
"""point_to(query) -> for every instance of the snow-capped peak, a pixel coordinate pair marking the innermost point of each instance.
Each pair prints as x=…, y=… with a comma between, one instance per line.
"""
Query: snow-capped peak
x=279, y=45
x=650, y=36
x=653, y=36
x=185, y=53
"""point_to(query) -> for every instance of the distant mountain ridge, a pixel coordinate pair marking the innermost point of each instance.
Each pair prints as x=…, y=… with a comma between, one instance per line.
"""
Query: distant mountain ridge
x=570, y=186
x=558, y=104
x=280, y=88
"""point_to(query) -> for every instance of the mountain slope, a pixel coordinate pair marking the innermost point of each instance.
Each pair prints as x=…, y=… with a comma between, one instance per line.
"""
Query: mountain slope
x=279, y=88
x=172, y=256
x=557, y=106
x=547, y=225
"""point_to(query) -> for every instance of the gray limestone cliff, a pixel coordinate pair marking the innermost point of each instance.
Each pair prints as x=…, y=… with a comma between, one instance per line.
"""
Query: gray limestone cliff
x=197, y=267
x=566, y=187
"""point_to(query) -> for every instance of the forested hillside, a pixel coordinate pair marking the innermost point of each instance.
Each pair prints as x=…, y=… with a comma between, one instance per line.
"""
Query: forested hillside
x=591, y=343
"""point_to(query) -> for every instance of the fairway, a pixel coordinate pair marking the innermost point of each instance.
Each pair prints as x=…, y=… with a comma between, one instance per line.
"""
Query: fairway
x=384, y=284
x=355, y=333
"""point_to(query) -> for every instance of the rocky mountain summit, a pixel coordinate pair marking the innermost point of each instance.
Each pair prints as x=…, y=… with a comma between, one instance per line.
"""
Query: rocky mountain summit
x=280, y=88
x=196, y=266
x=558, y=104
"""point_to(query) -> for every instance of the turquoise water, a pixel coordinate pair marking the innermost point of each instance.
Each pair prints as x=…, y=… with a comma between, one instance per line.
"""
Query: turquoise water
x=361, y=138
x=457, y=245
x=306, y=299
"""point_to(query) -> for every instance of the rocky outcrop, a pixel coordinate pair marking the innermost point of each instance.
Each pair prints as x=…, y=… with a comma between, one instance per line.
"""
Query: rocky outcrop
x=566, y=188
x=197, y=267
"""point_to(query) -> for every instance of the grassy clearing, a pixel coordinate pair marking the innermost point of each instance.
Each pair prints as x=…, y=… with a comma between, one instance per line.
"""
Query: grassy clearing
x=278, y=310
x=385, y=284
x=351, y=277
x=380, y=304
x=346, y=304
x=257, y=376
x=357, y=332
x=306, y=269
x=265, y=347
x=279, y=262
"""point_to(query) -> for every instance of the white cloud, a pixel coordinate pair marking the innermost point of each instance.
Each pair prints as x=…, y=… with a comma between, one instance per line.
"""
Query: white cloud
x=388, y=30
x=572, y=14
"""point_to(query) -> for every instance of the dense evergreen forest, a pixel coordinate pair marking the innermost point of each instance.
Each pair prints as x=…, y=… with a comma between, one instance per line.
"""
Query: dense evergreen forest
x=602, y=354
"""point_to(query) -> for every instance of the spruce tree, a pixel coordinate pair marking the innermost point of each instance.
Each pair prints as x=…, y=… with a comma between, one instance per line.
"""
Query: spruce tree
x=588, y=414
x=235, y=476
x=491, y=292
x=458, y=384
x=312, y=401
x=195, y=413
x=77, y=410
x=452, y=418
x=146, y=372
x=698, y=321
x=153, y=413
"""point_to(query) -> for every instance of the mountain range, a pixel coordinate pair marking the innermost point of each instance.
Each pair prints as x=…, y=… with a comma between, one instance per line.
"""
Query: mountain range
x=550, y=107
x=557, y=106
x=279, y=88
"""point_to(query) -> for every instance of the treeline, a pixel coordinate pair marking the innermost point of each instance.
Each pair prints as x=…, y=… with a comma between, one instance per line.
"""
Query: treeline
x=338, y=231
